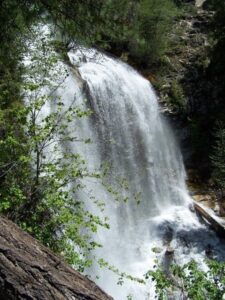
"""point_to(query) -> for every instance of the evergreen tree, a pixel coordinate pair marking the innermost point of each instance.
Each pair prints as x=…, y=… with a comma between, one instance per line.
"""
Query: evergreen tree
x=217, y=64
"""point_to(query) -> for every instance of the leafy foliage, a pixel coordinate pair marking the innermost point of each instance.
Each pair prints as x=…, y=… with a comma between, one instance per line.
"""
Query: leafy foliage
x=162, y=282
x=41, y=181
x=191, y=281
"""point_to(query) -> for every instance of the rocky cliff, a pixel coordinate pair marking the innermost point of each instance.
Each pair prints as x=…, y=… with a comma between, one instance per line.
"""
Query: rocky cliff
x=29, y=270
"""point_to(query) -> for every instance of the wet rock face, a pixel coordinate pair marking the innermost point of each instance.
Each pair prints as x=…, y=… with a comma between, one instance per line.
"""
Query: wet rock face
x=166, y=232
x=184, y=88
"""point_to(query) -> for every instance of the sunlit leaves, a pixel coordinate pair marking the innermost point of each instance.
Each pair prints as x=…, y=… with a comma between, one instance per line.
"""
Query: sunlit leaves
x=191, y=281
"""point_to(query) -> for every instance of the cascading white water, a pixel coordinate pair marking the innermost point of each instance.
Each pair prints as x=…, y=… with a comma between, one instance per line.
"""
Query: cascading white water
x=128, y=132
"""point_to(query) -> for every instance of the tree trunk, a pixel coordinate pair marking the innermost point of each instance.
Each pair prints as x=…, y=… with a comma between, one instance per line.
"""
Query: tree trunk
x=28, y=270
x=215, y=224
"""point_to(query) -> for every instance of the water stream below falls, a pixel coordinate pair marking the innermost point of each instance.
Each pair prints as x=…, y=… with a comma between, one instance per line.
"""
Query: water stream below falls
x=128, y=132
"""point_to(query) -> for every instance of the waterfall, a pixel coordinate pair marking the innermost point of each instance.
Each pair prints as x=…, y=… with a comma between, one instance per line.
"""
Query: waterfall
x=129, y=134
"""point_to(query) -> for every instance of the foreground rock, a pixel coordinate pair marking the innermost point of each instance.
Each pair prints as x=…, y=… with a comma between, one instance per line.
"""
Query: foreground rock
x=29, y=270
